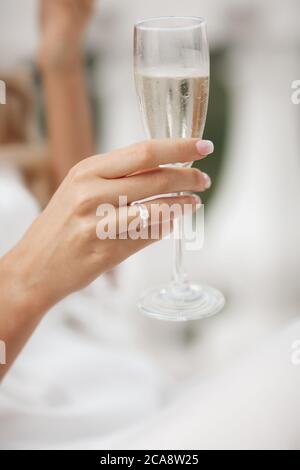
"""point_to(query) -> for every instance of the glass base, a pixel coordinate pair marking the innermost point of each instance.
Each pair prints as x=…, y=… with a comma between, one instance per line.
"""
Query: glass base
x=194, y=302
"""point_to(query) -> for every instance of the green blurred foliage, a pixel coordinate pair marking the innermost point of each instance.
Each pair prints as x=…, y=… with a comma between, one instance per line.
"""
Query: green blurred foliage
x=217, y=122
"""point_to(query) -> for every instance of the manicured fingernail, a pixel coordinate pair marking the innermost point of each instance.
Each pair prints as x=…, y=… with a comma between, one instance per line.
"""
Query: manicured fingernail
x=207, y=181
x=205, y=147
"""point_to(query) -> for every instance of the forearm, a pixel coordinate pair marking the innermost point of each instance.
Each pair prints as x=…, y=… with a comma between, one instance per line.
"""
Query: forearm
x=21, y=308
x=68, y=114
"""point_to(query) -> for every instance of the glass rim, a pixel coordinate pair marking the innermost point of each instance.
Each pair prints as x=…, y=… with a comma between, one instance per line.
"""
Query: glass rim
x=142, y=24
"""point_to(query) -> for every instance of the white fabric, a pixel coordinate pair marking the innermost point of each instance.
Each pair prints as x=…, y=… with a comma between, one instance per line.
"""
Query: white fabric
x=252, y=405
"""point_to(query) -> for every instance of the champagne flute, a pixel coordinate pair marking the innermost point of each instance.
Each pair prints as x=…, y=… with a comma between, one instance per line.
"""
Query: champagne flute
x=171, y=65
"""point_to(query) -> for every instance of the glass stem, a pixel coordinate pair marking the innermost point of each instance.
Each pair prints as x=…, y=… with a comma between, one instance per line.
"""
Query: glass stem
x=180, y=283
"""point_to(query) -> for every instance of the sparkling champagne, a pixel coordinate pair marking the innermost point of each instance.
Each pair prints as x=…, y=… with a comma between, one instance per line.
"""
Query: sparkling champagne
x=173, y=103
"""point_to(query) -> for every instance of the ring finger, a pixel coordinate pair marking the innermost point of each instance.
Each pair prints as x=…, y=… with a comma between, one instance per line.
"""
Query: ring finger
x=158, y=181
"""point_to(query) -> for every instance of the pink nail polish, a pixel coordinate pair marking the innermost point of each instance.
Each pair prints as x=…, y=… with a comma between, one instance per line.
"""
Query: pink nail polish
x=207, y=181
x=205, y=147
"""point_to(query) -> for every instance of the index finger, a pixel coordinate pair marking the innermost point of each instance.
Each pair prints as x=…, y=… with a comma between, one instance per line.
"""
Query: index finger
x=150, y=154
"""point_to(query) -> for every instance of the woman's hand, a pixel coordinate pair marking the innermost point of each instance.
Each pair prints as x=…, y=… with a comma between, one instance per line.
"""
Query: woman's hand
x=61, y=252
x=62, y=24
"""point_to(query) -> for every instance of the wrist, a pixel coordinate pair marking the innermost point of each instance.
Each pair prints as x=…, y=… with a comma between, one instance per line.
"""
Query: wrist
x=19, y=293
x=60, y=56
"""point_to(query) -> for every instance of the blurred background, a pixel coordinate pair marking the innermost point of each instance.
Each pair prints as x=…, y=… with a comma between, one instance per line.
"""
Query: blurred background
x=95, y=359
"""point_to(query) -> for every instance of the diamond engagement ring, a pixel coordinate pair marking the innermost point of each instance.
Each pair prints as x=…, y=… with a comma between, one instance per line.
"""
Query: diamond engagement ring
x=144, y=213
